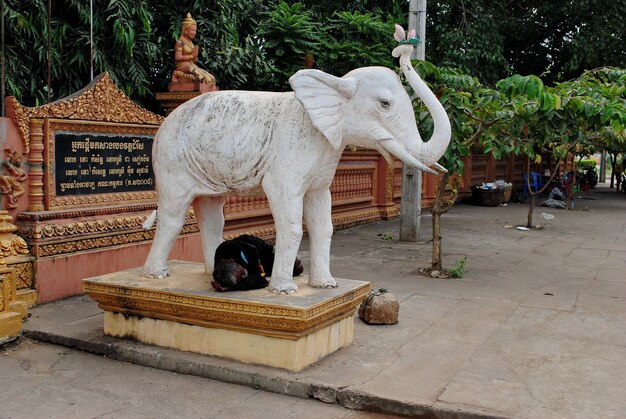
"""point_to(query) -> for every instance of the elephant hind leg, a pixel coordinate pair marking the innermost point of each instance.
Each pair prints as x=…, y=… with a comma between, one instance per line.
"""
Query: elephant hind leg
x=170, y=219
x=210, y=216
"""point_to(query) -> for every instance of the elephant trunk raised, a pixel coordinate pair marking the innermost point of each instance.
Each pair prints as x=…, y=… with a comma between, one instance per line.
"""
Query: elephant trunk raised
x=428, y=153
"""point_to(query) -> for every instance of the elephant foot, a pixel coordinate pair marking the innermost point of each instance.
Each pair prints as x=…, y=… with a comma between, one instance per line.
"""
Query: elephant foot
x=286, y=287
x=155, y=273
x=325, y=282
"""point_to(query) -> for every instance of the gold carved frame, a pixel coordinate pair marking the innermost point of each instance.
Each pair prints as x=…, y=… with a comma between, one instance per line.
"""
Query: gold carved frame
x=54, y=202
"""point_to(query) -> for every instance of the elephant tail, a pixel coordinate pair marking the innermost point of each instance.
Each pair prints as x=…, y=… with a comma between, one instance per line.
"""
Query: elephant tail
x=147, y=225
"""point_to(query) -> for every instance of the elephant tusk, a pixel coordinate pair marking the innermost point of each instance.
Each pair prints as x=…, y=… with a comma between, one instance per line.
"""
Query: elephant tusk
x=402, y=153
x=388, y=157
x=440, y=168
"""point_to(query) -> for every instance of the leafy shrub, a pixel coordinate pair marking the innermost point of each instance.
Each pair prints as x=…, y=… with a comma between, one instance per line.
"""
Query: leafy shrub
x=586, y=164
x=459, y=269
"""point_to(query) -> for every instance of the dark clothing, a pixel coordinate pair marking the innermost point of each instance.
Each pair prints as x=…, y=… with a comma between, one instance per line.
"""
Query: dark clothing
x=254, y=254
x=251, y=253
x=264, y=249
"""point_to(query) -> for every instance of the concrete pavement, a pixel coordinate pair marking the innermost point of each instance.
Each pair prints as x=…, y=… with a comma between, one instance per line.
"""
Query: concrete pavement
x=41, y=380
x=535, y=328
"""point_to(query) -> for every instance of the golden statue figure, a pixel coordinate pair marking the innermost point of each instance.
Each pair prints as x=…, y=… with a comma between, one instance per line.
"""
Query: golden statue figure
x=186, y=56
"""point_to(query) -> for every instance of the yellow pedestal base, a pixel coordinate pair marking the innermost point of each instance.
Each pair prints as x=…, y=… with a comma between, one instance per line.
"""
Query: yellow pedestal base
x=184, y=312
x=28, y=295
x=10, y=325
x=19, y=307
x=289, y=354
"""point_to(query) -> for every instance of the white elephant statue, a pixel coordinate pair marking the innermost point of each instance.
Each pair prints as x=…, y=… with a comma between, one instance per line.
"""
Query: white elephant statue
x=289, y=144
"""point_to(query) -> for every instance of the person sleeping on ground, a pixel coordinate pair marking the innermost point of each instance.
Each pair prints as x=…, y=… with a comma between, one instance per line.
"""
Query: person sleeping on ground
x=245, y=263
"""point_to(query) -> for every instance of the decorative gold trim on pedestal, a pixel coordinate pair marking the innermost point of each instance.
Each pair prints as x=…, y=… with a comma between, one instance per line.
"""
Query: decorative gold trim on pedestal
x=225, y=314
x=9, y=290
x=127, y=293
x=100, y=100
x=176, y=96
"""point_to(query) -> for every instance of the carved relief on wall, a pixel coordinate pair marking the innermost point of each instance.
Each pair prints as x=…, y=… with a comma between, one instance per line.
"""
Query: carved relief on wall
x=4, y=299
x=12, y=178
x=397, y=182
x=101, y=100
x=49, y=238
x=23, y=274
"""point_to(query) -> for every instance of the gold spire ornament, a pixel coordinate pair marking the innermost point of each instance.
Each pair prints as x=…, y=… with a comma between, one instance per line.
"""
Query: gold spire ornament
x=187, y=22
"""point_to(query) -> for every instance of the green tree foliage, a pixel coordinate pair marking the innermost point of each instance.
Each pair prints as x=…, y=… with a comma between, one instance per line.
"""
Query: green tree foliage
x=253, y=45
x=122, y=39
x=227, y=36
x=557, y=39
x=588, y=34
x=472, y=109
x=339, y=42
x=256, y=44
x=133, y=41
x=356, y=39
x=387, y=9
x=586, y=112
x=289, y=34
x=467, y=38
x=521, y=116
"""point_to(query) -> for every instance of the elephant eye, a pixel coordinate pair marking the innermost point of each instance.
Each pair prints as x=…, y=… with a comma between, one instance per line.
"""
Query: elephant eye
x=384, y=104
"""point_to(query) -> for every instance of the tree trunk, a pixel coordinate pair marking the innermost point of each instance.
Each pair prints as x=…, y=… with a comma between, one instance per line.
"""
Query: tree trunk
x=569, y=195
x=437, y=264
x=438, y=209
x=531, y=208
x=531, y=205
x=613, y=166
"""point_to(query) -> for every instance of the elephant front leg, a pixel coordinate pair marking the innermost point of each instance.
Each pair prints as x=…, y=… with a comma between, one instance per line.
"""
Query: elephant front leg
x=287, y=212
x=317, y=213
x=210, y=216
x=170, y=220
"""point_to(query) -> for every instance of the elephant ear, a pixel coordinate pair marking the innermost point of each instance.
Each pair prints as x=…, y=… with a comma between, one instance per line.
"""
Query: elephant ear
x=324, y=97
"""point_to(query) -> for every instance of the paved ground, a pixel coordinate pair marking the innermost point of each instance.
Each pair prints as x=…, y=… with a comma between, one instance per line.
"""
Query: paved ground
x=40, y=380
x=535, y=328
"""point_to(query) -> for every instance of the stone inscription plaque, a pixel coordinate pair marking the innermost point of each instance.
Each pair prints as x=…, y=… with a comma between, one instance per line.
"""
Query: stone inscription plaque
x=99, y=163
